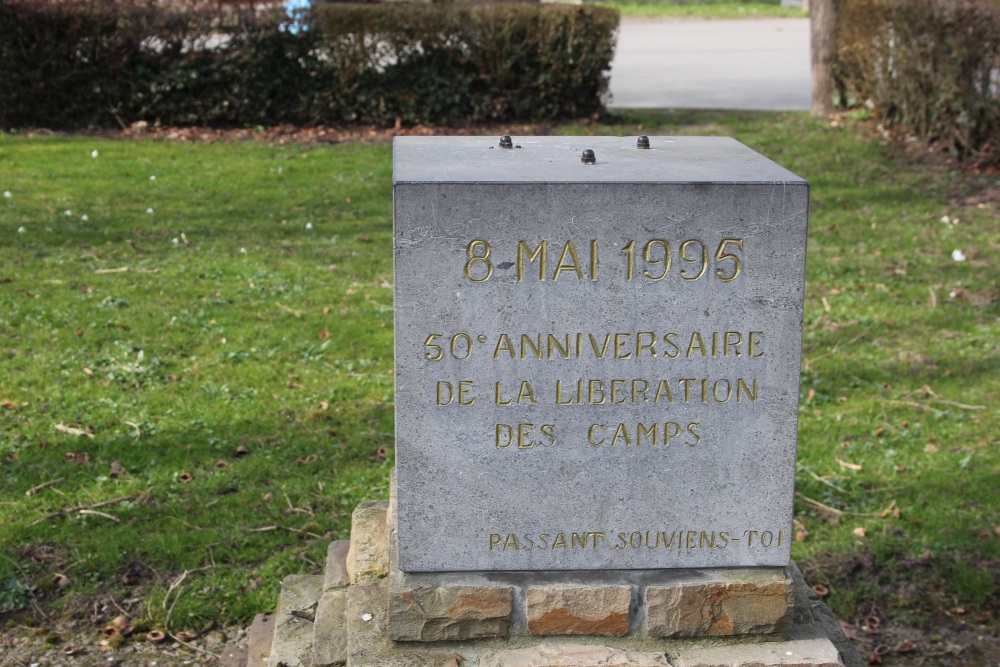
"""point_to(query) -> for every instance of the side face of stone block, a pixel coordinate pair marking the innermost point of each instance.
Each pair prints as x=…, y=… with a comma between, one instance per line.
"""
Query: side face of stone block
x=261, y=635
x=330, y=630
x=718, y=609
x=293, y=629
x=368, y=557
x=578, y=610
x=366, y=623
x=336, y=565
x=450, y=613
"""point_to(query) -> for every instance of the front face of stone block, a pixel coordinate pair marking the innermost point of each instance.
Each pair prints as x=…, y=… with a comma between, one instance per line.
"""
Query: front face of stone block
x=596, y=365
x=450, y=613
x=578, y=610
x=718, y=609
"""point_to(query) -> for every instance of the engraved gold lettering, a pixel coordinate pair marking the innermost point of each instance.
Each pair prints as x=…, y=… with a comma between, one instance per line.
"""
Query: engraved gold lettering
x=670, y=430
x=572, y=399
x=647, y=254
x=728, y=390
x=578, y=540
x=663, y=389
x=702, y=258
x=636, y=391
x=549, y=431
x=629, y=250
x=505, y=436
x=640, y=346
x=445, y=393
x=621, y=433
x=704, y=391
x=590, y=435
x=692, y=431
x=524, y=250
x=706, y=539
x=595, y=392
x=455, y=347
x=560, y=541
x=593, y=260
x=554, y=343
x=510, y=542
x=599, y=353
x=618, y=390
x=526, y=393
x=534, y=345
x=524, y=440
x=733, y=340
x=741, y=388
x=650, y=432
x=494, y=541
x=697, y=343
x=691, y=534
x=479, y=253
x=574, y=265
x=766, y=538
x=676, y=349
x=500, y=401
x=722, y=256
x=686, y=382
x=435, y=353
x=756, y=340
x=503, y=345
x=622, y=342
x=752, y=534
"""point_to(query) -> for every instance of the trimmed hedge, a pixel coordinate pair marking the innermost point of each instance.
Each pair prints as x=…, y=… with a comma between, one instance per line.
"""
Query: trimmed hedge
x=99, y=64
x=929, y=66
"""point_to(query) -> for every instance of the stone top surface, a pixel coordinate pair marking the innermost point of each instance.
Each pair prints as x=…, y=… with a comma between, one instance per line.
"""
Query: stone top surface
x=557, y=159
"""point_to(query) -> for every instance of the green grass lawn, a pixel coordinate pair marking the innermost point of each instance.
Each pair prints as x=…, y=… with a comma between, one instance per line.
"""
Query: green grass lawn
x=203, y=365
x=703, y=10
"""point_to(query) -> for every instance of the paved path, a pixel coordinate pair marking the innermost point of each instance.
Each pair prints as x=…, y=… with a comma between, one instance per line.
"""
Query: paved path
x=711, y=64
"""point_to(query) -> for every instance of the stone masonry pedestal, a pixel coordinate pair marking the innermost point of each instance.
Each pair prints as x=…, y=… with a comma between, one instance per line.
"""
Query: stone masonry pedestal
x=364, y=612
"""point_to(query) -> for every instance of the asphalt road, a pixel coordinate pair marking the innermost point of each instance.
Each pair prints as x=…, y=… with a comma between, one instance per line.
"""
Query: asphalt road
x=712, y=64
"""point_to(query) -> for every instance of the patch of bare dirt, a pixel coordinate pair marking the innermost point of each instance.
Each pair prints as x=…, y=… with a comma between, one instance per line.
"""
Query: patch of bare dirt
x=907, y=615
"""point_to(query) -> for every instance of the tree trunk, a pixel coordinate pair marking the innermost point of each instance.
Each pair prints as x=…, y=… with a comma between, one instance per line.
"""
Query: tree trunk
x=823, y=47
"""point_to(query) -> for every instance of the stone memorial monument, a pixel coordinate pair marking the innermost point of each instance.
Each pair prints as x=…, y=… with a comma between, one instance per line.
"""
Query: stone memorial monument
x=597, y=347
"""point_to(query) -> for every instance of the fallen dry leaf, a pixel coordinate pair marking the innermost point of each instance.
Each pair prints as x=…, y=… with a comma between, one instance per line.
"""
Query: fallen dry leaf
x=116, y=470
x=848, y=465
x=324, y=334
x=72, y=430
x=79, y=458
x=850, y=631
x=859, y=531
x=12, y=405
x=930, y=449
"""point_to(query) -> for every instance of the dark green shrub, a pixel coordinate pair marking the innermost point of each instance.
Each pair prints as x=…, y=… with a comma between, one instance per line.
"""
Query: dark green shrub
x=69, y=65
x=929, y=66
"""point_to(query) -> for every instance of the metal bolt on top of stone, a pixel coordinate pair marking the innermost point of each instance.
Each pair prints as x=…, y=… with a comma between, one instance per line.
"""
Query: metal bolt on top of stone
x=506, y=141
x=588, y=157
x=642, y=142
